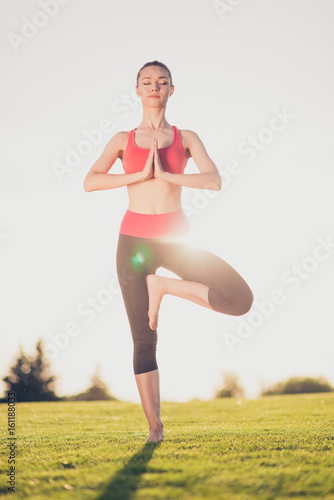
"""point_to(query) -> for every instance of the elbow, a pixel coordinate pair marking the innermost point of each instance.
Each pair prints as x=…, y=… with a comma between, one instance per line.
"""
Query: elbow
x=217, y=182
x=86, y=185
x=218, y=186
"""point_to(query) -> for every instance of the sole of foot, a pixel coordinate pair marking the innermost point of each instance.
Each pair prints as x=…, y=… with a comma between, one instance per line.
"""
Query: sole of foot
x=155, y=296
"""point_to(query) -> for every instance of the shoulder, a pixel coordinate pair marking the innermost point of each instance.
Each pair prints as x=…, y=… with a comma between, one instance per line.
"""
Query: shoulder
x=189, y=138
x=122, y=135
x=188, y=135
x=119, y=141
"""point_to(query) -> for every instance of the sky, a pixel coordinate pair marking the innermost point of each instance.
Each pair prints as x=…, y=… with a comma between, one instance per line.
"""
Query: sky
x=254, y=79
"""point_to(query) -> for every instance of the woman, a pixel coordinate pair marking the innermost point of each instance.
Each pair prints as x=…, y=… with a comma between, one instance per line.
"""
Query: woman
x=154, y=156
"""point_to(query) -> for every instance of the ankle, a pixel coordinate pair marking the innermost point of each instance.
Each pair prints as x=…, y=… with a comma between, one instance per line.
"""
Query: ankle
x=155, y=425
x=158, y=283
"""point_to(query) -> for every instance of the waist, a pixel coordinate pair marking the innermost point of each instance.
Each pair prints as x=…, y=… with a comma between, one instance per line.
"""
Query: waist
x=154, y=225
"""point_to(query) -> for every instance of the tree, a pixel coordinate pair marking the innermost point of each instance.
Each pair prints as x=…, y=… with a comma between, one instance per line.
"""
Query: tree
x=29, y=377
x=97, y=392
x=231, y=386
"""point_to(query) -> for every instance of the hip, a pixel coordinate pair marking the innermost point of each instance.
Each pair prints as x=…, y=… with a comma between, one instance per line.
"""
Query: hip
x=154, y=226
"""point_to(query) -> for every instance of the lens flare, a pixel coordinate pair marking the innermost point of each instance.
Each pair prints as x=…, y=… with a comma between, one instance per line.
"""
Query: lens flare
x=141, y=257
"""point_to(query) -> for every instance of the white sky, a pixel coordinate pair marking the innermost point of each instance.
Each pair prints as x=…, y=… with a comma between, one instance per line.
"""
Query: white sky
x=233, y=74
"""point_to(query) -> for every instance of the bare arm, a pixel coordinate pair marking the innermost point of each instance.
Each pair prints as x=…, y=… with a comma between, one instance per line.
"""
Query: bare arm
x=98, y=178
x=208, y=178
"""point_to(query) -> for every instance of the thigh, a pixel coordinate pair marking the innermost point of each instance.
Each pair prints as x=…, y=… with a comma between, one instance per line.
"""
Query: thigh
x=199, y=264
x=135, y=258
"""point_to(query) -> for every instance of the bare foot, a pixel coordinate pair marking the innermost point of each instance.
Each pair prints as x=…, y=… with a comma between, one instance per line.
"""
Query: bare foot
x=156, y=435
x=155, y=295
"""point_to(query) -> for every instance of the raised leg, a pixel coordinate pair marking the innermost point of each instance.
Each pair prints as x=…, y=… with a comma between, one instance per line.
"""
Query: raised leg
x=158, y=286
x=206, y=279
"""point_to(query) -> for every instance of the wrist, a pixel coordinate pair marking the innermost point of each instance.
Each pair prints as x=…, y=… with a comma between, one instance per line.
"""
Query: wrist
x=166, y=176
x=140, y=176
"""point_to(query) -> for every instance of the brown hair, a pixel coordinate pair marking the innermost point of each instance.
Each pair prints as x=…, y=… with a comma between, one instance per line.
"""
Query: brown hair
x=156, y=63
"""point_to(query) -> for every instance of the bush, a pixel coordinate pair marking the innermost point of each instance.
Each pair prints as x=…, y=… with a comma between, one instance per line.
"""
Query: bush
x=299, y=385
x=231, y=386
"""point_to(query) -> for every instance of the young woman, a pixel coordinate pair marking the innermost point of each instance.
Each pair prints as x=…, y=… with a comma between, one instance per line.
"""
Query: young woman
x=151, y=234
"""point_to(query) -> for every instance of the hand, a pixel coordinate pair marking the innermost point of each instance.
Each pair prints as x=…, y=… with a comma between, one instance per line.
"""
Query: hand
x=147, y=172
x=159, y=172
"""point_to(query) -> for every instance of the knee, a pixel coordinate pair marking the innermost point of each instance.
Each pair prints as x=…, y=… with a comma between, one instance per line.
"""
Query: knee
x=245, y=304
x=144, y=352
x=144, y=364
x=236, y=305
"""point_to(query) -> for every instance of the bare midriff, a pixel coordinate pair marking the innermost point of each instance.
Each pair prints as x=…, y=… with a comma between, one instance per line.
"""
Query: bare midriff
x=154, y=196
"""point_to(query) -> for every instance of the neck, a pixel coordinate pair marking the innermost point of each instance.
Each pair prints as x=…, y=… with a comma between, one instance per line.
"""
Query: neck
x=154, y=119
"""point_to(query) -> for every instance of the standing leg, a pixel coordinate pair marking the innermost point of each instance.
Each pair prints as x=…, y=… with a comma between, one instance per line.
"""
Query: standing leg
x=148, y=387
x=136, y=257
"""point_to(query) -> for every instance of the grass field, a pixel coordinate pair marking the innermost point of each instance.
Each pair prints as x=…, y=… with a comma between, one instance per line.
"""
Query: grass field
x=273, y=447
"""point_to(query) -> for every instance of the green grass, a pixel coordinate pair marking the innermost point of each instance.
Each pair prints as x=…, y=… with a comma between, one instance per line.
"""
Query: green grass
x=273, y=447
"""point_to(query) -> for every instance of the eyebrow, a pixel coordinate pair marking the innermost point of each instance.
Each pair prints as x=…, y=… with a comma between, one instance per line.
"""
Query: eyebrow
x=158, y=77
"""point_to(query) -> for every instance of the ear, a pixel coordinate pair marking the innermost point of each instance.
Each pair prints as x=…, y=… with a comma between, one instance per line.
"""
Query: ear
x=172, y=91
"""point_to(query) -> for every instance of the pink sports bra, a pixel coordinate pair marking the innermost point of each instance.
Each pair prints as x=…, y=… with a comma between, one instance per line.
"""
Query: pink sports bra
x=172, y=157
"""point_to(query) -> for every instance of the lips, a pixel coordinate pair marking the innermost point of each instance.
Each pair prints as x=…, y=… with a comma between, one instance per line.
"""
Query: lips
x=155, y=96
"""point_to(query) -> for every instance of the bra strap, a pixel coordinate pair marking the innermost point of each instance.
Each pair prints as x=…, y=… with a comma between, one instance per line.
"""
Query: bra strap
x=177, y=133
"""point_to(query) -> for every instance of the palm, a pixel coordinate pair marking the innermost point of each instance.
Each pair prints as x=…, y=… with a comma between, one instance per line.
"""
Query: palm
x=158, y=170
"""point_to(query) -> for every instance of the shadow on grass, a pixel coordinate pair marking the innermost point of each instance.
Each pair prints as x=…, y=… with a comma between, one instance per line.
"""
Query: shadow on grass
x=126, y=481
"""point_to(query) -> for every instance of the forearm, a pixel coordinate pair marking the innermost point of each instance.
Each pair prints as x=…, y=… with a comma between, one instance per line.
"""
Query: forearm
x=98, y=181
x=202, y=180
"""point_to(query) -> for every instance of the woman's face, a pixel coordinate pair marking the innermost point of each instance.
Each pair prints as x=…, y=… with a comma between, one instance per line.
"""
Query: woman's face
x=154, y=81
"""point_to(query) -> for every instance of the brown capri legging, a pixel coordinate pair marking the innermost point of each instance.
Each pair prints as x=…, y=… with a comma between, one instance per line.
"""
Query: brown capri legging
x=136, y=257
